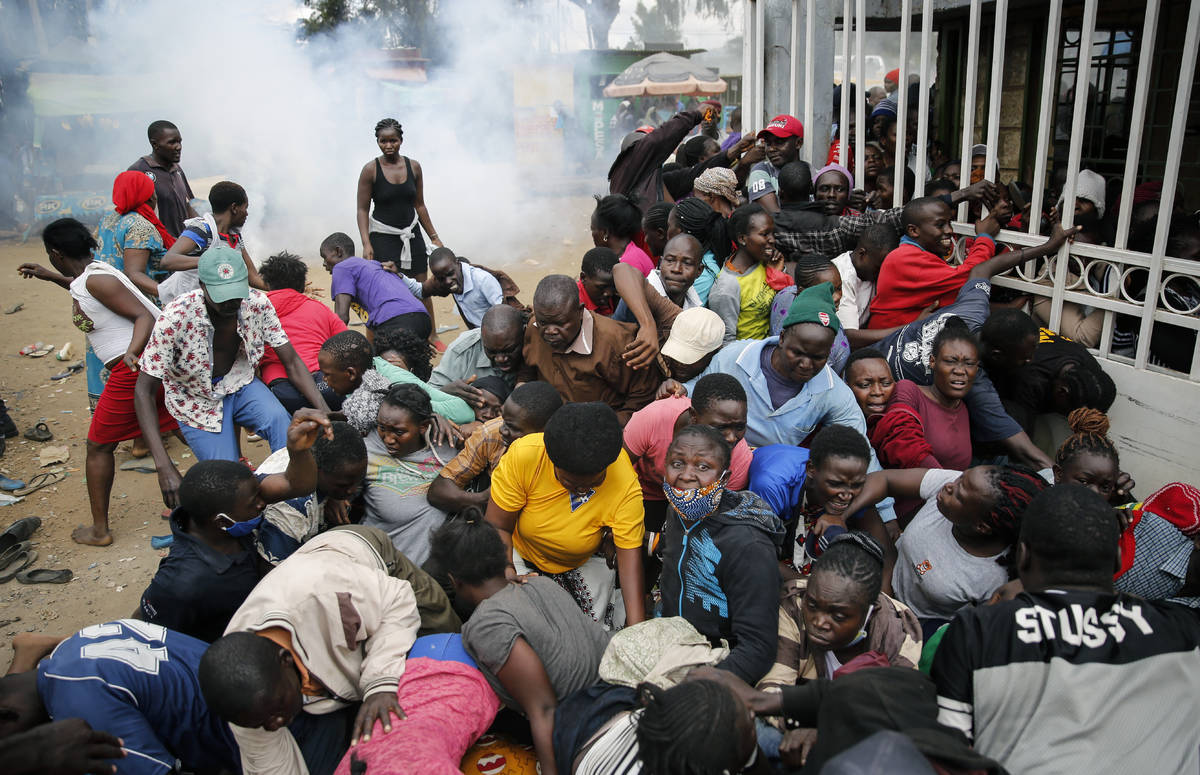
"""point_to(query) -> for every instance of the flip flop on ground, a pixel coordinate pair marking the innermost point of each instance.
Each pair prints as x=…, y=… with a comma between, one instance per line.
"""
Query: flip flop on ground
x=39, y=432
x=19, y=531
x=23, y=560
x=41, y=480
x=10, y=484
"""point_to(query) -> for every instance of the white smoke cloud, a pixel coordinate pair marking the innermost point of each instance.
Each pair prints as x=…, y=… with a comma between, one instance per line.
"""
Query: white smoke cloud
x=293, y=122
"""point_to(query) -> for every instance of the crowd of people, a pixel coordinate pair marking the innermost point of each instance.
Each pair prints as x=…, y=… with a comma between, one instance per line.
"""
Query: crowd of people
x=754, y=491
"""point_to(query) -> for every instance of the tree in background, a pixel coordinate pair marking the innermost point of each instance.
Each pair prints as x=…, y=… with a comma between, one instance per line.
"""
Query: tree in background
x=600, y=15
x=397, y=23
x=659, y=24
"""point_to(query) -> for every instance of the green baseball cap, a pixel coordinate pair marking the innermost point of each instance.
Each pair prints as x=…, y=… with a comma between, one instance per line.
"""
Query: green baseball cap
x=814, y=305
x=223, y=272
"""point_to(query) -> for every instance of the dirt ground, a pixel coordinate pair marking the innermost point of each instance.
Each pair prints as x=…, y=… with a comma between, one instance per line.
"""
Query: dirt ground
x=108, y=581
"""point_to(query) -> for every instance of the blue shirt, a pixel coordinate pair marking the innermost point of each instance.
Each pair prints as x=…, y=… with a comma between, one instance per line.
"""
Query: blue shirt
x=708, y=275
x=480, y=292
x=777, y=475
x=824, y=400
x=138, y=681
x=196, y=589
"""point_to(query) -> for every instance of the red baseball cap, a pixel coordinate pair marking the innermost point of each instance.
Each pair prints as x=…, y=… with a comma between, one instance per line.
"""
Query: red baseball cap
x=893, y=76
x=783, y=126
x=645, y=129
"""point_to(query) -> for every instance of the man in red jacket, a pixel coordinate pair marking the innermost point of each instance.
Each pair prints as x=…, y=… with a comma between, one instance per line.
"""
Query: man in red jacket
x=916, y=274
x=307, y=323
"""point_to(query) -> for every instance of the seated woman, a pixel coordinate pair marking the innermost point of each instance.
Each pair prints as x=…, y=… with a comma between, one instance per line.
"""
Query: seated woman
x=401, y=464
x=743, y=291
x=719, y=553
x=837, y=613
x=927, y=426
x=556, y=494
x=954, y=552
x=531, y=641
x=813, y=269
x=870, y=379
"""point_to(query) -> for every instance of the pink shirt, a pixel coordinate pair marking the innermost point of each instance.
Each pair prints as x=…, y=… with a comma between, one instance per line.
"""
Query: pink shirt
x=649, y=433
x=638, y=259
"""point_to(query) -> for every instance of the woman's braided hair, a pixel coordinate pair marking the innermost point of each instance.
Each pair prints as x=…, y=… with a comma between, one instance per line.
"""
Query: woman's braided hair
x=856, y=556
x=688, y=729
x=1014, y=486
x=389, y=123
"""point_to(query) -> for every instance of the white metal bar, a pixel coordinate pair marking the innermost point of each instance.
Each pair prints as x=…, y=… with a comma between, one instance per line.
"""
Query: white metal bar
x=971, y=76
x=1046, y=114
x=1078, y=122
x=923, y=101
x=809, y=75
x=1183, y=92
x=999, y=38
x=847, y=29
x=860, y=51
x=1140, y=95
x=760, y=22
x=750, y=122
x=902, y=91
x=794, y=56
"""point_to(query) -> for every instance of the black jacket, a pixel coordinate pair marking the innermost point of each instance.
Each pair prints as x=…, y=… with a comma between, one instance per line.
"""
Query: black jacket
x=722, y=575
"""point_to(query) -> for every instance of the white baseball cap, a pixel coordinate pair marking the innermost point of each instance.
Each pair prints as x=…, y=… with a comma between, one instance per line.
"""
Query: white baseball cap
x=695, y=333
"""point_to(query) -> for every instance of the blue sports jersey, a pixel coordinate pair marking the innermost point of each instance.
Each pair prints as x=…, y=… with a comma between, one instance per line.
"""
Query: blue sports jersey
x=138, y=681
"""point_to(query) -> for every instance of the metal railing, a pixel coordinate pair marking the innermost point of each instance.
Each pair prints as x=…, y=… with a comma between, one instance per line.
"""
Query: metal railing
x=1088, y=275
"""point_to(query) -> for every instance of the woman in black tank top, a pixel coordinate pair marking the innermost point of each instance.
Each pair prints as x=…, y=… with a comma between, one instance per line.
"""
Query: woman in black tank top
x=398, y=207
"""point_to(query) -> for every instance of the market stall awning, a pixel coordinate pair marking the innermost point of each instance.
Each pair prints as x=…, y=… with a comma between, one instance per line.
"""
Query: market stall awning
x=664, y=73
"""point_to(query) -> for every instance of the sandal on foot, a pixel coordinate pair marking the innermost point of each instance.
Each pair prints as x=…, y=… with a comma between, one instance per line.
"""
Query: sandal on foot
x=23, y=560
x=40, y=481
x=39, y=432
x=45, y=576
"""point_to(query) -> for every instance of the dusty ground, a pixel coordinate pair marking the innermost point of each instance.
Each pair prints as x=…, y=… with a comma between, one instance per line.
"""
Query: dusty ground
x=109, y=581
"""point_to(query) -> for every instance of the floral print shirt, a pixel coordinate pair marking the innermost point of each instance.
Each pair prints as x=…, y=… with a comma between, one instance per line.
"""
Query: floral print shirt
x=180, y=354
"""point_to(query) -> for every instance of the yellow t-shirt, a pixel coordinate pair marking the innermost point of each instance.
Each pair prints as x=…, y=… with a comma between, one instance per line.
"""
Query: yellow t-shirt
x=754, y=316
x=550, y=535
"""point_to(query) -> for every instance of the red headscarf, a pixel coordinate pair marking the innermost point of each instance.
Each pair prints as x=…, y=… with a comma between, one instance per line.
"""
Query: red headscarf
x=131, y=193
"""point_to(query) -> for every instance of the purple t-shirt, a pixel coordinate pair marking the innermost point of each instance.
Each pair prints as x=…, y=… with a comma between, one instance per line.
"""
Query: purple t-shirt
x=378, y=292
x=781, y=389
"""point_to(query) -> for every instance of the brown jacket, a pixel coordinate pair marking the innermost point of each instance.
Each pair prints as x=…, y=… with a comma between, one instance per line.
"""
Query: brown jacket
x=600, y=376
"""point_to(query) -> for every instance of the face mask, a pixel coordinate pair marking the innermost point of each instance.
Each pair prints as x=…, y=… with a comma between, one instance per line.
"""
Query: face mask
x=862, y=633
x=241, y=529
x=696, y=503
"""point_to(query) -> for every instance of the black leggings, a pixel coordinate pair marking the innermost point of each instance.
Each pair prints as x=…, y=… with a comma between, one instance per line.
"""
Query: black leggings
x=418, y=322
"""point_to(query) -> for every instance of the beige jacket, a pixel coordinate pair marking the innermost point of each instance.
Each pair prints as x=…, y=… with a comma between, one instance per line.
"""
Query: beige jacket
x=352, y=626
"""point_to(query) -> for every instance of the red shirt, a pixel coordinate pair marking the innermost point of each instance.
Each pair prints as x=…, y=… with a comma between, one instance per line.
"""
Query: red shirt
x=307, y=323
x=586, y=301
x=912, y=278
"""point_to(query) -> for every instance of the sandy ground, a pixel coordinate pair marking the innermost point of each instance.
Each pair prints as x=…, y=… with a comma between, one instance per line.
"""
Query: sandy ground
x=108, y=581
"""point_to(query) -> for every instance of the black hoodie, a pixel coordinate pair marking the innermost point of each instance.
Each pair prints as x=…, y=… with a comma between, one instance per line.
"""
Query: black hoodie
x=722, y=575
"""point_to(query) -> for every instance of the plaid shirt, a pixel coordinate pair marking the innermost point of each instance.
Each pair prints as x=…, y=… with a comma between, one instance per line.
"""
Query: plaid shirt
x=480, y=454
x=1160, y=561
x=832, y=242
x=180, y=354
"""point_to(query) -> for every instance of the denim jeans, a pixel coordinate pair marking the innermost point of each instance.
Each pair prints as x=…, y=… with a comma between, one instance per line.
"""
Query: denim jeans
x=255, y=407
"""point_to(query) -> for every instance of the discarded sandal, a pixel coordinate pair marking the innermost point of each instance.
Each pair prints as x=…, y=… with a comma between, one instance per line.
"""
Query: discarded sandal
x=41, y=480
x=42, y=352
x=10, y=555
x=74, y=368
x=19, y=531
x=45, y=576
x=10, y=484
x=39, y=432
x=22, y=561
x=143, y=465
x=14, y=308
x=161, y=542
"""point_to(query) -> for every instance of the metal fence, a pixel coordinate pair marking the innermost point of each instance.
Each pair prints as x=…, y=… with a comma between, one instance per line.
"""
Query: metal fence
x=1092, y=276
